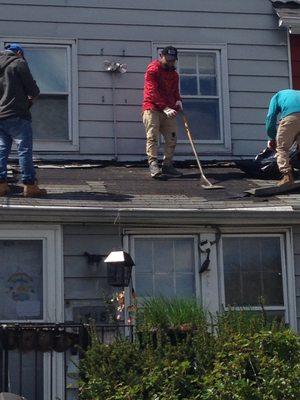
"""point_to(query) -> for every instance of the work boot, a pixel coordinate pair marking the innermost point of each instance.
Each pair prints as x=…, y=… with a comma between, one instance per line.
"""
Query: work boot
x=4, y=188
x=287, y=179
x=155, y=171
x=170, y=170
x=32, y=190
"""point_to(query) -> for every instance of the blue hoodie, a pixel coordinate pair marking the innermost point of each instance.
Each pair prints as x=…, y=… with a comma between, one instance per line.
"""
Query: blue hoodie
x=284, y=102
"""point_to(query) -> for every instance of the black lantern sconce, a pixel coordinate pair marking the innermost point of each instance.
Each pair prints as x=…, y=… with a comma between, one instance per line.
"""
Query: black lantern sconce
x=119, y=268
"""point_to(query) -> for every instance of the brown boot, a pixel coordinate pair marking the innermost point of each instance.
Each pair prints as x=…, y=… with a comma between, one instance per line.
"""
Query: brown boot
x=287, y=179
x=4, y=188
x=33, y=191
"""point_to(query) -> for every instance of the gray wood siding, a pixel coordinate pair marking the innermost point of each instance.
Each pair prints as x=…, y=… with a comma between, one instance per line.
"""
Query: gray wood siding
x=297, y=271
x=257, y=59
x=85, y=285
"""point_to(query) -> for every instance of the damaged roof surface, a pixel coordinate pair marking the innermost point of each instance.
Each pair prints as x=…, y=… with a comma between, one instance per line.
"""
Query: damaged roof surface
x=124, y=187
x=286, y=3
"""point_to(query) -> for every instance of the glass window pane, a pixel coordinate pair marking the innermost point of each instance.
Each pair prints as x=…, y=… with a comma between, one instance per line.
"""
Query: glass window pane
x=251, y=288
x=184, y=284
x=207, y=64
x=50, y=118
x=208, y=85
x=49, y=67
x=187, y=64
x=252, y=269
x=21, y=279
x=233, y=288
x=203, y=117
x=184, y=255
x=163, y=255
x=174, y=265
x=188, y=85
x=144, y=284
x=143, y=255
x=164, y=285
x=273, y=293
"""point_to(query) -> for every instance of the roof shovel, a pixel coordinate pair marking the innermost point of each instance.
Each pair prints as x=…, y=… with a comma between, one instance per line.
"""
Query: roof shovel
x=204, y=181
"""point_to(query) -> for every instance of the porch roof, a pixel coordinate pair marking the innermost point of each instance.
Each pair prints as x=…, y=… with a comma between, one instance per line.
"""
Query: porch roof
x=288, y=12
x=81, y=190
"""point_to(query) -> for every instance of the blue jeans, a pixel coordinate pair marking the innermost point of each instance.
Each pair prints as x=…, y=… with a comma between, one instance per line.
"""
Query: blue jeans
x=17, y=130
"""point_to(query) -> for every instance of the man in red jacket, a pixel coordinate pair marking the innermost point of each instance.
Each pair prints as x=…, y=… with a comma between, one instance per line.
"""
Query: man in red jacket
x=161, y=103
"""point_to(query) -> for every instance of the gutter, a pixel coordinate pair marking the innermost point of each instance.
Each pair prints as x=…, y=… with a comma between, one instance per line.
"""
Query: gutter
x=151, y=216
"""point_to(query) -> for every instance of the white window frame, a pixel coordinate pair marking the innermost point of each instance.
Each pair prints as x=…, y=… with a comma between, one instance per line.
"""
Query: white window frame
x=288, y=274
x=223, y=145
x=53, y=293
x=130, y=242
x=48, y=145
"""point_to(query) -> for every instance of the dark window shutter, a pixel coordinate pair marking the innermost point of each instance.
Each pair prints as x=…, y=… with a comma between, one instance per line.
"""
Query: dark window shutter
x=295, y=58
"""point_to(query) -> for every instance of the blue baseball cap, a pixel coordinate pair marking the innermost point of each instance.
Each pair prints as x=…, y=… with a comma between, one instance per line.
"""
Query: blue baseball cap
x=15, y=47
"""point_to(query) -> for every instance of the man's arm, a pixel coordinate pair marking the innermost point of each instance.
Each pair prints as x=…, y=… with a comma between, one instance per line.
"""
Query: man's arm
x=31, y=88
x=271, y=120
x=151, y=81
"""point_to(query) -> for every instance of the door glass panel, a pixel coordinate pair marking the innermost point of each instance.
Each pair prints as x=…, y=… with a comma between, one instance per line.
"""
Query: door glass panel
x=21, y=279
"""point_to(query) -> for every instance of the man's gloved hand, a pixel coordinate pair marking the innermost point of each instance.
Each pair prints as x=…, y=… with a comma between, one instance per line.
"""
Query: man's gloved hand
x=272, y=144
x=178, y=105
x=170, y=112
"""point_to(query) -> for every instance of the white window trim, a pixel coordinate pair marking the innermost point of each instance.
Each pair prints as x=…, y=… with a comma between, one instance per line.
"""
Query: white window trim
x=129, y=244
x=72, y=144
x=53, y=284
x=209, y=146
x=288, y=272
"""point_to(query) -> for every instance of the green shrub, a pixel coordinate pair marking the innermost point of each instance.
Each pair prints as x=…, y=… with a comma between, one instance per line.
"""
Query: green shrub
x=239, y=356
x=162, y=313
x=259, y=366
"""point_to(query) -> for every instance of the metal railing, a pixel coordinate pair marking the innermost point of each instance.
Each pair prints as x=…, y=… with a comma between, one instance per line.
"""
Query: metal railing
x=29, y=353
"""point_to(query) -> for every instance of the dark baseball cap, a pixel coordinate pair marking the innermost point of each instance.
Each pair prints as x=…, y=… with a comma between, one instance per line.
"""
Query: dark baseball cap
x=15, y=47
x=170, y=51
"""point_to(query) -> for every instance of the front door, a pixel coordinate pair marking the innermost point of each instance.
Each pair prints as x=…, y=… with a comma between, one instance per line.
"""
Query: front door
x=31, y=292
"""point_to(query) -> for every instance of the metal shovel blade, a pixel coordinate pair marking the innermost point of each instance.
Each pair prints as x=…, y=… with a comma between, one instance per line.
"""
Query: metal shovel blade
x=212, y=187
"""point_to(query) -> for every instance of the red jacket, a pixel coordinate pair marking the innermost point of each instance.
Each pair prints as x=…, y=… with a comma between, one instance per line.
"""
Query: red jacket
x=161, y=87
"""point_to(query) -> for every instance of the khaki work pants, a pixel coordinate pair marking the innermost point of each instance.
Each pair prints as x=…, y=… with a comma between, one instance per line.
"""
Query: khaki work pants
x=288, y=132
x=157, y=122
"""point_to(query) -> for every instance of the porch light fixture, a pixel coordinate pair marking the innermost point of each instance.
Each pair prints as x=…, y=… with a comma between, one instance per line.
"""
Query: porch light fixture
x=114, y=66
x=119, y=268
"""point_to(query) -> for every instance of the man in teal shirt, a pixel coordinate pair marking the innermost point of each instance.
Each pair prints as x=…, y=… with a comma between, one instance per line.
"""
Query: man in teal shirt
x=286, y=104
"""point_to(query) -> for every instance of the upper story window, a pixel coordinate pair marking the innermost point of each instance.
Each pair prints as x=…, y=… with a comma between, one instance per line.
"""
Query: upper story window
x=200, y=90
x=54, y=114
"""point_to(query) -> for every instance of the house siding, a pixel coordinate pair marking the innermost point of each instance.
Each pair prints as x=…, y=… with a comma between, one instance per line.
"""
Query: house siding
x=257, y=60
x=86, y=285
x=297, y=271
